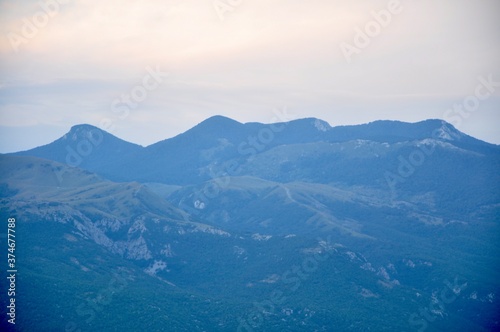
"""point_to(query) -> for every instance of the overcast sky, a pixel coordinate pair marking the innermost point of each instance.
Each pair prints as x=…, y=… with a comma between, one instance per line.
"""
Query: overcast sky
x=242, y=59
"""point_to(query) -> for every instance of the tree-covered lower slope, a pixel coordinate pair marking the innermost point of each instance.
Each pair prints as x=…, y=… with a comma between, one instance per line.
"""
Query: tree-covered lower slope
x=69, y=283
x=98, y=255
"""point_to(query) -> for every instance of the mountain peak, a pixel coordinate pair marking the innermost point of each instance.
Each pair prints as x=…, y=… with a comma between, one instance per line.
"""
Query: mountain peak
x=83, y=126
x=215, y=125
x=218, y=121
x=84, y=131
x=307, y=124
x=321, y=125
x=443, y=130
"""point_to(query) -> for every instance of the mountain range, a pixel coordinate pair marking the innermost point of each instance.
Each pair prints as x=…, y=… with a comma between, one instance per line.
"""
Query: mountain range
x=294, y=226
x=189, y=157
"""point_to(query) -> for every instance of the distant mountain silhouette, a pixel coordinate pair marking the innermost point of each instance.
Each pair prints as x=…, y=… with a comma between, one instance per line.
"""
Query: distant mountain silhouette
x=190, y=157
x=87, y=147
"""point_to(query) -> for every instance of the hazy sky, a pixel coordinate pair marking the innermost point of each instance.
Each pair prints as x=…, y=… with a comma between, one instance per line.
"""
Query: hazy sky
x=77, y=60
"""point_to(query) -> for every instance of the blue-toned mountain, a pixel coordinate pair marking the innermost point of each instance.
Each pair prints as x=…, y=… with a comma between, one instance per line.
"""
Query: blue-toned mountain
x=191, y=157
